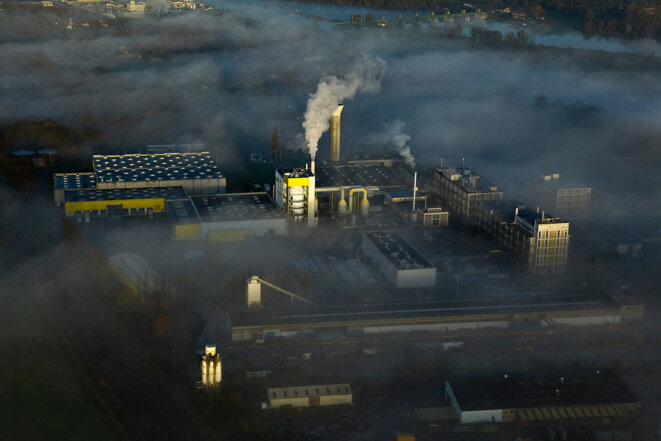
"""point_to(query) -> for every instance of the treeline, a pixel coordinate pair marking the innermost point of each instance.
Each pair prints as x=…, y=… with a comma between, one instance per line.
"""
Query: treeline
x=630, y=18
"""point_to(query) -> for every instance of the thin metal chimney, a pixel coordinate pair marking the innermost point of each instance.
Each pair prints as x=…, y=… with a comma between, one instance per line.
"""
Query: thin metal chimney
x=335, y=134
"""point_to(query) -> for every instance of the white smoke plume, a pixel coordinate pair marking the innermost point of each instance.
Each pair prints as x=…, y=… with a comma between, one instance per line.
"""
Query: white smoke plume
x=394, y=136
x=365, y=77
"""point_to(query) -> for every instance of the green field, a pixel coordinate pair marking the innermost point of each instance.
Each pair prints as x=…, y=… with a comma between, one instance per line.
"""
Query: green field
x=43, y=394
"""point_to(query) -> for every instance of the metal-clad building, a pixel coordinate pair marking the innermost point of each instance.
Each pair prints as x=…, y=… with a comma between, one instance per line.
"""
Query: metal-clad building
x=571, y=397
x=119, y=202
x=399, y=260
x=309, y=396
x=197, y=173
x=238, y=216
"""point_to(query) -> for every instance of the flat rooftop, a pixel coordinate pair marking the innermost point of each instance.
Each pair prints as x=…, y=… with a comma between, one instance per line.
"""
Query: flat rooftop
x=182, y=212
x=560, y=182
x=167, y=193
x=505, y=209
x=517, y=393
x=236, y=207
x=399, y=251
x=308, y=391
x=434, y=311
x=362, y=175
x=155, y=167
x=72, y=181
x=468, y=181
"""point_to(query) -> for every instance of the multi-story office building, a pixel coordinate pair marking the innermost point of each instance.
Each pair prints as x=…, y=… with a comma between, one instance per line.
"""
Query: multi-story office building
x=540, y=241
x=462, y=191
x=564, y=197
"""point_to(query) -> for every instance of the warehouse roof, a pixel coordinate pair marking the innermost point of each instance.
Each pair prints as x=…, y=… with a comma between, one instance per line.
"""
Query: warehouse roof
x=362, y=175
x=236, y=207
x=308, y=391
x=97, y=194
x=517, y=393
x=155, y=167
x=182, y=212
x=401, y=253
x=71, y=181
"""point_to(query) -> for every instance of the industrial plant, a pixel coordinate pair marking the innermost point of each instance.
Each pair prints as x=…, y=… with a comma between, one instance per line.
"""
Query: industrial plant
x=441, y=256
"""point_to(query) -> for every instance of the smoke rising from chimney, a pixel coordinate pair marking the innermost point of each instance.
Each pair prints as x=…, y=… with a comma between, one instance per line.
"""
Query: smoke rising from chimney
x=394, y=136
x=365, y=77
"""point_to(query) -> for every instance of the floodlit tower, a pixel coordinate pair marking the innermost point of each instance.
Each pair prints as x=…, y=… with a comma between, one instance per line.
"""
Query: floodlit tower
x=211, y=367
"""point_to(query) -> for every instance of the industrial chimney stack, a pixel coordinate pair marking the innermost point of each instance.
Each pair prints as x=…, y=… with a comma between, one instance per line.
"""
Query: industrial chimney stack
x=335, y=134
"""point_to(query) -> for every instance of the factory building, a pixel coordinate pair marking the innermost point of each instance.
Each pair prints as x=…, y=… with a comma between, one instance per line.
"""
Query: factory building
x=510, y=400
x=211, y=367
x=540, y=241
x=86, y=204
x=196, y=173
x=419, y=213
x=564, y=197
x=294, y=194
x=232, y=217
x=310, y=396
x=462, y=192
x=402, y=264
x=136, y=273
x=362, y=320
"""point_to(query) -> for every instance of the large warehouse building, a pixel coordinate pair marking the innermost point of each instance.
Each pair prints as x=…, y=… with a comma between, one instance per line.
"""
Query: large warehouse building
x=196, y=173
x=402, y=264
x=599, y=395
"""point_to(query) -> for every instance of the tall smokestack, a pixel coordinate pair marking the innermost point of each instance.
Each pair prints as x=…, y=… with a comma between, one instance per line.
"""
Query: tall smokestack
x=335, y=134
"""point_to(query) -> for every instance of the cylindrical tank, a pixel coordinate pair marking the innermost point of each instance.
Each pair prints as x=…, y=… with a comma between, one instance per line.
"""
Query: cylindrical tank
x=297, y=203
x=204, y=372
x=217, y=372
x=342, y=207
x=364, y=207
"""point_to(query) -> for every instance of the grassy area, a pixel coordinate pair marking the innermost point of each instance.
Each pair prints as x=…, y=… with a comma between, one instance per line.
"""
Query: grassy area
x=42, y=395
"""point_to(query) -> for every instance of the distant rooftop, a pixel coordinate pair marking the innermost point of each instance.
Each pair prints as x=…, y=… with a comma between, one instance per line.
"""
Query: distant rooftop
x=504, y=208
x=236, y=207
x=401, y=253
x=167, y=193
x=362, y=175
x=561, y=182
x=155, y=167
x=516, y=393
x=308, y=391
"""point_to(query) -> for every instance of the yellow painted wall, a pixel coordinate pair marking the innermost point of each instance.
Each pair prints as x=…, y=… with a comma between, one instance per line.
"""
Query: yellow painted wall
x=190, y=231
x=297, y=182
x=156, y=204
x=229, y=236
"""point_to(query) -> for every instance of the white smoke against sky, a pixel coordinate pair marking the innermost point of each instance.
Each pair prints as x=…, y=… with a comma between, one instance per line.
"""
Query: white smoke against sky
x=394, y=136
x=365, y=77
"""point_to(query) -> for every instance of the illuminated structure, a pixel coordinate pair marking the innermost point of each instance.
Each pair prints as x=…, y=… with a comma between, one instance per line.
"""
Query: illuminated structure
x=294, y=194
x=334, y=156
x=540, y=241
x=84, y=204
x=211, y=367
x=564, y=197
x=462, y=191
